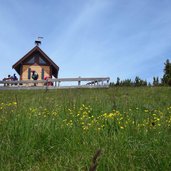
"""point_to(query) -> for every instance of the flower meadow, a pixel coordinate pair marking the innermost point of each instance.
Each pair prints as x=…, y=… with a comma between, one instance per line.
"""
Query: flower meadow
x=63, y=129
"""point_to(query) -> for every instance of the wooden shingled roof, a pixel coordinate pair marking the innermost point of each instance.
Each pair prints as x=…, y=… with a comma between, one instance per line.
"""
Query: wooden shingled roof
x=18, y=64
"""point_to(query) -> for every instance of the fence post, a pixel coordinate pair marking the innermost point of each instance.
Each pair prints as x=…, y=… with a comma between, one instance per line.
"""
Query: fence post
x=58, y=83
x=79, y=81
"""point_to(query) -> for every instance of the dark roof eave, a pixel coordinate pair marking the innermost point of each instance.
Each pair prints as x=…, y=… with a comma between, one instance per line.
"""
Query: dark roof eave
x=24, y=57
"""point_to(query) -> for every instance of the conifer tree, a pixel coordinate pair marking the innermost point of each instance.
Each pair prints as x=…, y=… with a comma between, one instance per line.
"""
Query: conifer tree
x=167, y=73
x=118, y=81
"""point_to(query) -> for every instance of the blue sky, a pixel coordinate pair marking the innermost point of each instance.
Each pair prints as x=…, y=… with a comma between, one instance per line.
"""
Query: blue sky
x=89, y=38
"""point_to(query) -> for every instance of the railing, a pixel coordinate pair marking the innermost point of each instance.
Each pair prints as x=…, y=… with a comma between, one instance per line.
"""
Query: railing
x=99, y=82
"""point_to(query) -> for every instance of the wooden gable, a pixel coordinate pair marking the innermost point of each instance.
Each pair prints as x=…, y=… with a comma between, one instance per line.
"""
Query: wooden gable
x=36, y=57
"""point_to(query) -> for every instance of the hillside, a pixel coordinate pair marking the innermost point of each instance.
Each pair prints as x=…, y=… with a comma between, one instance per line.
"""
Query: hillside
x=63, y=129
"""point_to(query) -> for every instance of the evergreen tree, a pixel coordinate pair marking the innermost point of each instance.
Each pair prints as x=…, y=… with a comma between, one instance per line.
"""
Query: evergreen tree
x=167, y=73
x=149, y=84
x=155, y=81
x=118, y=81
x=137, y=81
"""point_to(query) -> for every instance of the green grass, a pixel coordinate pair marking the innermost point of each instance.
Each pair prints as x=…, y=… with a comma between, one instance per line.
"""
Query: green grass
x=62, y=129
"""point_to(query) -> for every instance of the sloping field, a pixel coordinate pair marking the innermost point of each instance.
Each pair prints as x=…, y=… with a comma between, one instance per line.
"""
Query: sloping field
x=63, y=129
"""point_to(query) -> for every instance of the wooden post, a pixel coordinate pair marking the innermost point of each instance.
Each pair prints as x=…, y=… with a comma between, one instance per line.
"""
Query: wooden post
x=58, y=83
x=79, y=83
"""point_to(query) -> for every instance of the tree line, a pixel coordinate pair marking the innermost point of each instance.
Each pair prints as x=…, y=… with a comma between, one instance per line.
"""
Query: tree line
x=164, y=81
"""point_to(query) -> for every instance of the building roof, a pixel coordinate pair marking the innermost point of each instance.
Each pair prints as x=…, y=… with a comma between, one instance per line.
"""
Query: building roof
x=18, y=64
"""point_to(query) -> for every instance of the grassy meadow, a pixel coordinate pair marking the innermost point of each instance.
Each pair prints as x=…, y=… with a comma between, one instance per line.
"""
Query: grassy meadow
x=63, y=129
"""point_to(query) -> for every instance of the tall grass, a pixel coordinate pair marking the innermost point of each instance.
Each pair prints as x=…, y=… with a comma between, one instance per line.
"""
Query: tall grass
x=62, y=129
